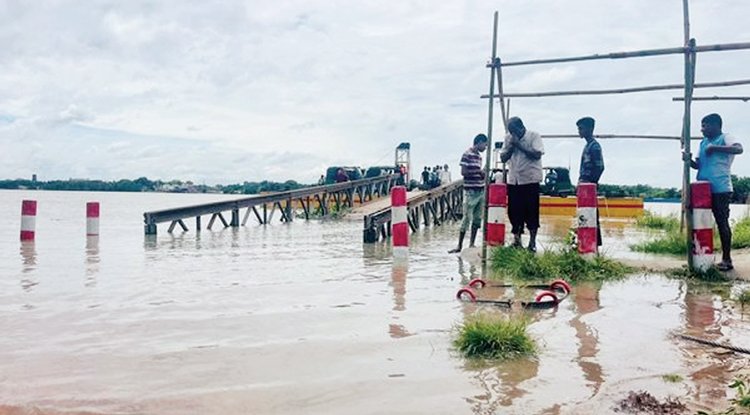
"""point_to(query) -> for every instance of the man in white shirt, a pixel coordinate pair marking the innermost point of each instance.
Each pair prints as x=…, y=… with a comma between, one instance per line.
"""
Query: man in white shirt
x=524, y=150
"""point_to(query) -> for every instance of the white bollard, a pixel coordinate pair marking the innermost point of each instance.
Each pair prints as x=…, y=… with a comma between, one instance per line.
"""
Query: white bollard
x=92, y=219
x=28, y=220
x=497, y=201
x=703, y=226
x=586, y=212
x=399, y=223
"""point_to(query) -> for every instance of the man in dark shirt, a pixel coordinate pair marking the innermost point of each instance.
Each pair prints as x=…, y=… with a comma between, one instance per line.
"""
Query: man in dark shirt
x=592, y=162
x=473, y=207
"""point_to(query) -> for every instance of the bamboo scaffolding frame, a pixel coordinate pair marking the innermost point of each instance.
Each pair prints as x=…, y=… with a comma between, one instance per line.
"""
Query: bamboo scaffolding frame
x=689, y=50
x=634, y=54
x=622, y=136
x=621, y=90
x=488, y=150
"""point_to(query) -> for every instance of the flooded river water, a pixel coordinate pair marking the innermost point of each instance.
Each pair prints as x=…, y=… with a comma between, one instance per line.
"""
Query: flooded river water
x=304, y=318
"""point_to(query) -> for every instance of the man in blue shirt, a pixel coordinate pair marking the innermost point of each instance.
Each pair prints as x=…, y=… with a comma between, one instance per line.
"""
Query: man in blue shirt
x=714, y=164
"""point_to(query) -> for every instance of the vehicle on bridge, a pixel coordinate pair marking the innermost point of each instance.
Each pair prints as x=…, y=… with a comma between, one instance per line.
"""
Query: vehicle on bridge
x=556, y=182
x=352, y=173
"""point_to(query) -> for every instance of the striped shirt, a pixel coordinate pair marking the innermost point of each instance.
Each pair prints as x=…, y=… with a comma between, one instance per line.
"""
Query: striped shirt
x=472, y=162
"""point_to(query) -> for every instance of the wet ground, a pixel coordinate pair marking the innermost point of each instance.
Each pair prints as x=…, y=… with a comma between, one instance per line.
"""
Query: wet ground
x=306, y=319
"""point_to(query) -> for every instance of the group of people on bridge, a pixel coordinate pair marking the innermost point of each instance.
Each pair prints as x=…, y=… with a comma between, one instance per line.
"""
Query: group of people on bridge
x=435, y=177
x=523, y=150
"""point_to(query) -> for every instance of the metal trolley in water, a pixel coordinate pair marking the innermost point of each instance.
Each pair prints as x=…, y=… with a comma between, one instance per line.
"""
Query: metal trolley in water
x=546, y=296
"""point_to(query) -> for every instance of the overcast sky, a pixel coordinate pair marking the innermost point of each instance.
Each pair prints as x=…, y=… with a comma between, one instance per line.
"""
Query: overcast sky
x=222, y=92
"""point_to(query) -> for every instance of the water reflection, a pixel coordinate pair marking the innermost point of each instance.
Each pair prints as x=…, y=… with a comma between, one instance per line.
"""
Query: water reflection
x=703, y=317
x=587, y=301
x=398, y=282
x=92, y=259
x=502, y=384
x=28, y=256
x=468, y=270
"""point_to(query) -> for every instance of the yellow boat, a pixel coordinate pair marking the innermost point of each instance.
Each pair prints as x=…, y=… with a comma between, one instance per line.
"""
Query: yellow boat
x=609, y=207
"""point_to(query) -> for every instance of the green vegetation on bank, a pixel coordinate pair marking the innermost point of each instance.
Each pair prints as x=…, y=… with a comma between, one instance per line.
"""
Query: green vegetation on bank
x=741, y=191
x=494, y=337
x=651, y=221
x=670, y=240
x=740, y=404
x=563, y=263
x=143, y=184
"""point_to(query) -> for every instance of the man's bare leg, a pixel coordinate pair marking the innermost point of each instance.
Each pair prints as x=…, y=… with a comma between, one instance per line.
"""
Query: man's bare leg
x=461, y=236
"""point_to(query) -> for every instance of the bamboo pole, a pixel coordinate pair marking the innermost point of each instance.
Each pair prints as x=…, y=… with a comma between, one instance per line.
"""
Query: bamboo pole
x=635, y=54
x=488, y=150
x=499, y=71
x=690, y=58
x=622, y=90
x=714, y=98
x=622, y=136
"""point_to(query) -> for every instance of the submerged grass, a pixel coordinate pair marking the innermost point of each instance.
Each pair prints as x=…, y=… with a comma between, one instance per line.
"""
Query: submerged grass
x=712, y=274
x=494, y=337
x=650, y=220
x=744, y=298
x=674, y=242
x=563, y=263
x=670, y=378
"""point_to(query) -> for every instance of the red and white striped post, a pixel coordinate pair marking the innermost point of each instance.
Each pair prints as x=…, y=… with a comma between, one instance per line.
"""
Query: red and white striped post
x=703, y=226
x=92, y=219
x=399, y=223
x=497, y=201
x=586, y=212
x=28, y=220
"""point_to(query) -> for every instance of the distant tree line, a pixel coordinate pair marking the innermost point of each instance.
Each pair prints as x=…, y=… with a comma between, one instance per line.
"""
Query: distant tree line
x=252, y=188
x=143, y=184
x=741, y=190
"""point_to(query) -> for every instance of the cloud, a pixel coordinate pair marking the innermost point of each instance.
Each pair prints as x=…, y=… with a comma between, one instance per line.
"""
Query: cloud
x=228, y=91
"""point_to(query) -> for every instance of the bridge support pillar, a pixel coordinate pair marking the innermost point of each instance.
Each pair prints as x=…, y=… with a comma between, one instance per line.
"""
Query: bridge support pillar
x=235, y=223
x=370, y=235
x=150, y=229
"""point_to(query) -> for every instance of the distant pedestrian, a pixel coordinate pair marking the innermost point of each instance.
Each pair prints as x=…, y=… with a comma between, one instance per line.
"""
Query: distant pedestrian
x=592, y=162
x=474, y=177
x=714, y=162
x=445, y=176
x=524, y=149
x=341, y=176
x=426, y=178
x=322, y=180
x=402, y=175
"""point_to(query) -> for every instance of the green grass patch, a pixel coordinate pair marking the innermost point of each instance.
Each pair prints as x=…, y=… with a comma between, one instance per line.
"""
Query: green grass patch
x=743, y=298
x=669, y=378
x=563, y=263
x=650, y=220
x=741, y=233
x=674, y=242
x=494, y=337
x=741, y=402
x=712, y=274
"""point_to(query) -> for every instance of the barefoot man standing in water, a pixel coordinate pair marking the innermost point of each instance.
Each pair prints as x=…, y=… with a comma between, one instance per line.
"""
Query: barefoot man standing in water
x=473, y=207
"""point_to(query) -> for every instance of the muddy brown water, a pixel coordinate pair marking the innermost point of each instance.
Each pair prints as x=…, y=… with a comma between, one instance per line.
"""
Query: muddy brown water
x=306, y=319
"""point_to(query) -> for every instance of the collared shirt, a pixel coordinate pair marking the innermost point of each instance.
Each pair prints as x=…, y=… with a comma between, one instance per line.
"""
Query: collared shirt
x=716, y=168
x=472, y=161
x=592, y=163
x=523, y=169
